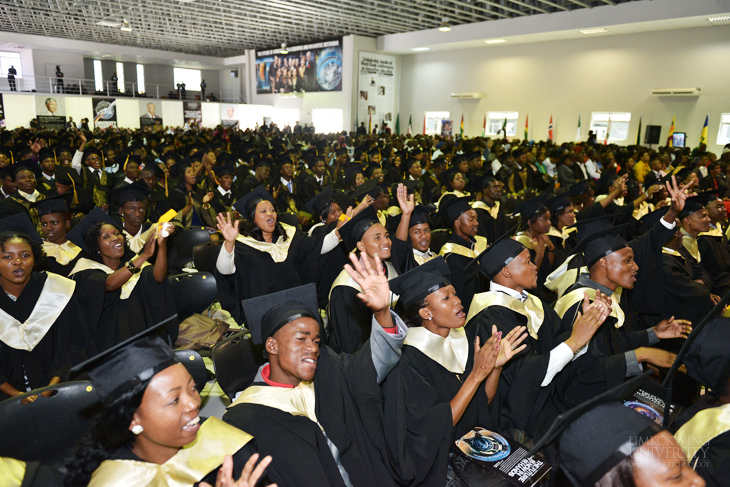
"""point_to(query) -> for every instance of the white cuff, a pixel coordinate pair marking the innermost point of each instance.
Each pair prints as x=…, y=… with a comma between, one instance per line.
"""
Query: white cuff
x=76, y=161
x=226, y=263
x=331, y=240
x=668, y=226
x=560, y=356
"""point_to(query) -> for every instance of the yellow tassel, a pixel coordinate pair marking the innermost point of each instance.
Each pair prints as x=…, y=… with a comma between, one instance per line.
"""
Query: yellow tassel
x=75, y=200
x=103, y=163
x=167, y=195
x=125, y=163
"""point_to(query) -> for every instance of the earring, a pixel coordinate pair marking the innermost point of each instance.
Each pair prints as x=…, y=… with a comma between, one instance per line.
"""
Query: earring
x=137, y=429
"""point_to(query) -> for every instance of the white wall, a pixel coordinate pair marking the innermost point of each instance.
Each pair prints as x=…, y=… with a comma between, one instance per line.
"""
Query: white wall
x=211, y=113
x=565, y=78
x=19, y=110
x=172, y=113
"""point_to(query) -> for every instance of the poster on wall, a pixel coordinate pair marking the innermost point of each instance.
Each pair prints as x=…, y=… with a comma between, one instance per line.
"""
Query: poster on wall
x=377, y=88
x=192, y=112
x=447, y=126
x=105, y=112
x=50, y=112
x=150, y=114
x=304, y=68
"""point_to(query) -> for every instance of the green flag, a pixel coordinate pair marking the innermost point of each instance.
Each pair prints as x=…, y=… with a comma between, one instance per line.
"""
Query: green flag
x=638, y=134
x=397, y=124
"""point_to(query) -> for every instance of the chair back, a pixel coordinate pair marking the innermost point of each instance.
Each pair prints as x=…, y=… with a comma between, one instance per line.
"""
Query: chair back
x=205, y=255
x=438, y=238
x=186, y=240
x=48, y=428
x=195, y=365
x=236, y=361
x=194, y=292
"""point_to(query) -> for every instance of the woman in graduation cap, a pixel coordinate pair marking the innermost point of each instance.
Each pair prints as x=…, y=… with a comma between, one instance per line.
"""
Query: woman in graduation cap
x=192, y=205
x=445, y=380
x=43, y=331
x=55, y=218
x=270, y=256
x=131, y=201
x=122, y=293
x=150, y=432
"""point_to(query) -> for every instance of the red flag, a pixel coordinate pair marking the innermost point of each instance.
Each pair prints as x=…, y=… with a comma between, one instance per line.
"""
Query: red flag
x=484, y=126
x=550, y=128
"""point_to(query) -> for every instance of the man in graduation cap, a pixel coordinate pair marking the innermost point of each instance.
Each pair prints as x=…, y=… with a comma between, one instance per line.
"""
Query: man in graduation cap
x=320, y=413
x=223, y=198
x=67, y=182
x=131, y=202
x=713, y=244
x=493, y=221
x=55, y=218
x=47, y=166
x=93, y=175
x=695, y=220
x=316, y=181
x=463, y=246
x=261, y=173
x=8, y=182
x=377, y=194
x=413, y=233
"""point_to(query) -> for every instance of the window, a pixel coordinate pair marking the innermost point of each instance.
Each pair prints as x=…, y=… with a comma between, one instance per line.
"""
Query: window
x=433, y=122
x=98, y=79
x=140, y=78
x=496, y=121
x=191, y=78
x=120, y=77
x=8, y=59
x=327, y=120
x=723, y=135
x=616, y=123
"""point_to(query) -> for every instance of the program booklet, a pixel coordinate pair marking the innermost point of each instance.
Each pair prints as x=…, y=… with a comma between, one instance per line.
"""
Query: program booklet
x=650, y=401
x=503, y=456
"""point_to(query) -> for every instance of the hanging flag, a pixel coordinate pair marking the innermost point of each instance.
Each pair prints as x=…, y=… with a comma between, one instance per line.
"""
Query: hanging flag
x=370, y=124
x=484, y=126
x=550, y=128
x=608, y=132
x=670, y=137
x=703, y=135
x=526, y=118
x=638, y=134
x=461, y=129
x=577, y=133
x=410, y=124
x=397, y=124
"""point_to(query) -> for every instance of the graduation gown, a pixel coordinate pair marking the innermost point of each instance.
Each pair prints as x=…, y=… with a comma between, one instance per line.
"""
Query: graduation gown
x=264, y=268
x=715, y=252
x=546, y=267
x=682, y=298
x=521, y=395
x=42, y=334
x=458, y=253
x=61, y=259
x=346, y=401
x=117, y=315
x=705, y=438
x=493, y=223
x=329, y=265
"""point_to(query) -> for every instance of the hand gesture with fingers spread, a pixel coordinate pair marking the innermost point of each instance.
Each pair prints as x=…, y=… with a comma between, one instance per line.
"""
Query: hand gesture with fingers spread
x=249, y=475
x=375, y=290
x=672, y=328
x=508, y=346
x=485, y=356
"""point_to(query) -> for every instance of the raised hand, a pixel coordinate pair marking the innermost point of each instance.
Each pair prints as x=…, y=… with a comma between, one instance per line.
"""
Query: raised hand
x=208, y=197
x=228, y=228
x=679, y=196
x=373, y=282
x=508, y=346
x=406, y=202
x=249, y=475
x=672, y=328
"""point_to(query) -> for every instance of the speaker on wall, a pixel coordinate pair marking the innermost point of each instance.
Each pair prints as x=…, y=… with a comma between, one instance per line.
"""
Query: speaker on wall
x=651, y=136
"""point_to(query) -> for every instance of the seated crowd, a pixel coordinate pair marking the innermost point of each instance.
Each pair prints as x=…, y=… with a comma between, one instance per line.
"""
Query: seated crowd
x=404, y=290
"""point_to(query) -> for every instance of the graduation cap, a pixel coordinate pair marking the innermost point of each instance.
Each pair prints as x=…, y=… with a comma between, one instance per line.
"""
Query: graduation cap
x=451, y=209
x=579, y=189
x=317, y=204
x=557, y=204
x=28, y=165
x=221, y=171
x=483, y=181
x=410, y=184
x=407, y=163
x=121, y=367
x=681, y=173
x=82, y=228
x=595, y=436
x=265, y=315
x=179, y=167
x=438, y=162
x=353, y=231
x=651, y=179
x=499, y=254
x=53, y=204
x=601, y=242
x=370, y=187
x=352, y=169
x=21, y=223
x=89, y=151
x=650, y=219
x=246, y=206
x=137, y=191
x=419, y=282
x=529, y=209
x=692, y=204
x=707, y=197
x=46, y=154
x=371, y=168
x=8, y=153
x=65, y=175
x=421, y=214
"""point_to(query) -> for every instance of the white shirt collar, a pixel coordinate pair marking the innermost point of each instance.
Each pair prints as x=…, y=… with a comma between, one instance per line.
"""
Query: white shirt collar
x=223, y=192
x=425, y=255
x=128, y=181
x=32, y=197
x=49, y=178
x=493, y=286
x=319, y=179
x=285, y=182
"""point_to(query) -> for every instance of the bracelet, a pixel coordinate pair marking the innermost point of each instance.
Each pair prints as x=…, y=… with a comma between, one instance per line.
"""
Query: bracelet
x=132, y=268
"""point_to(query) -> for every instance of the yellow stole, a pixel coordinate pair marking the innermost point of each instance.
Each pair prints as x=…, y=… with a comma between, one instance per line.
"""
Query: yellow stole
x=565, y=303
x=55, y=295
x=643, y=209
x=690, y=243
x=63, y=253
x=714, y=232
x=562, y=278
x=531, y=309
x=493, y=211
x=127, y=288
x=136, y=242
x=451, y=352
x=191, y=464
x=13, y=472
x=452, y=248
x=344, y=279
x=564, y=234
x=703, y=427
x=278, y=250
x=524, y=239
x=297, y=401
x=422, y=260
x=673, y=252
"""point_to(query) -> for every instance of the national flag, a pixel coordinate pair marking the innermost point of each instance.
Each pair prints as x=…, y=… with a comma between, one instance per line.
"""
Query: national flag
x=410, y=124
x=703, y=135
x=670, y=137
x=608, y=132
x=461, y=128
x=484, y=126
x=550, y=128
x=370, y=124
x=638, y=133
x=526, y=126
x=397, y=124
x=577, y=133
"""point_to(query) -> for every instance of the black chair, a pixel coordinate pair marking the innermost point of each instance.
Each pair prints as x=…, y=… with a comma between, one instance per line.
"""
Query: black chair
x=205, y=255
x=194, y=292
x=236, y=361
x=438, y=238
x=47, y=429
x=186, y=240
x=192, y=361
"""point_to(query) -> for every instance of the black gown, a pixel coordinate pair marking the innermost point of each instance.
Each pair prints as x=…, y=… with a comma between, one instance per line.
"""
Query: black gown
x=329, y=265
x=715, y=252
x=490, y=227
x=467, y=281
x=65, y=344
x=682, y=298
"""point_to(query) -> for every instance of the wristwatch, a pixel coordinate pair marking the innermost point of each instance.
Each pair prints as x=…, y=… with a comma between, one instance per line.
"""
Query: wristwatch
x=132, y=268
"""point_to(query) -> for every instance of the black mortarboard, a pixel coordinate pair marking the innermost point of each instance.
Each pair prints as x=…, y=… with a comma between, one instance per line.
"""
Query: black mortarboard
x=20, y=223
x=53, y=204
x=421, y=214
x=27, y=164
x=261, y=162
x=483, y=181
x=353, y=169
x=155, y=169
x=135, y=360
x=707, y=197
x=499, y=254
x=452, y=208
x=708, y=356
x=529, y=209
x=246, y=206
x=46, y=154
x=651, y=179
x=353, y=231
x=221, y=171
x=65, y=175
x=557, y=204
x=681, y=173
x=695, y=203
x=265, y=315
x=317, y=204
x=438, y=162
x=370, y=169
x=601, y=243
x=80, y=230
x=650, y=219
x=371, y=187
x=90, y=151
x=598, y=434
x=137, y=191
x=420, y=281
x=579, y=188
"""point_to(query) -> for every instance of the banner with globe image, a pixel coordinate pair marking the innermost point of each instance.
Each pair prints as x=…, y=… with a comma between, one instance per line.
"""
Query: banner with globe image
x=105, y=112
x=305, y=68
